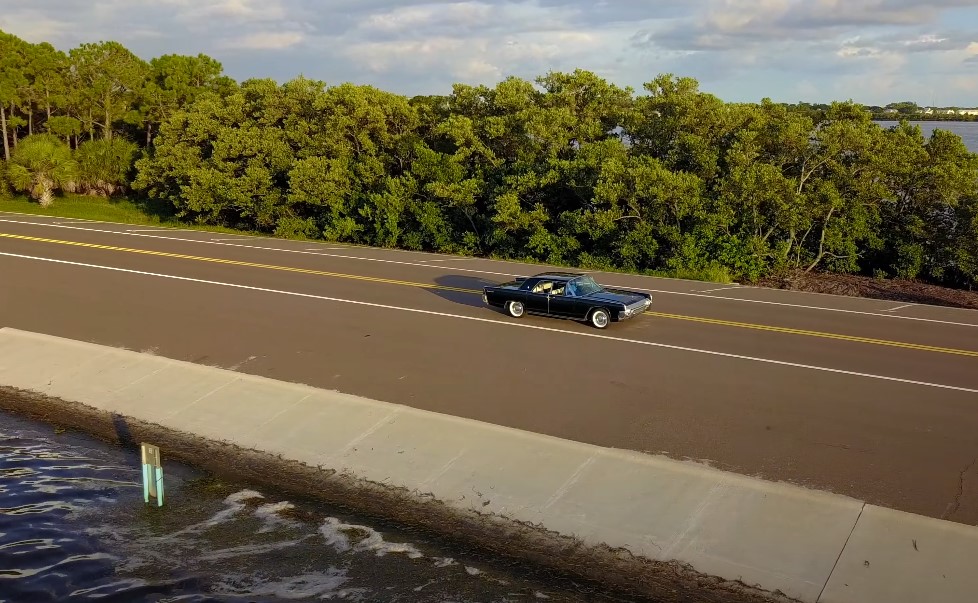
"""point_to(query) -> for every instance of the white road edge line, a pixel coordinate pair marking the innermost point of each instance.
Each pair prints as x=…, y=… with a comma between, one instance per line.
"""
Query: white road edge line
x=880, y=314
x=503, y=323
x=720, y=289
x=134, y=230
x=899, y=308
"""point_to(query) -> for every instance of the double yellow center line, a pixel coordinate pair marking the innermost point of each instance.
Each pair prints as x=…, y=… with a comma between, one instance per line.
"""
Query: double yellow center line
x=713, y=321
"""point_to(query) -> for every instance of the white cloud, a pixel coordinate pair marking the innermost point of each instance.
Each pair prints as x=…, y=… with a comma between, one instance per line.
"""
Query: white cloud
x=32, y=24
x=474, y=59
x=407, y=19
x=267, y=40
x=241, y=11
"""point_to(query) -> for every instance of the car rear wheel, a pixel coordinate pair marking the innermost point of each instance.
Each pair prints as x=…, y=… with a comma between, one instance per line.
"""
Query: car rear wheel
x=600, y=318
x=515, y=309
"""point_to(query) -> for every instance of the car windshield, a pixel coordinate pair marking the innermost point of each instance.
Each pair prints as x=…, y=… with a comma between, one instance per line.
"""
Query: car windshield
x=583, y=285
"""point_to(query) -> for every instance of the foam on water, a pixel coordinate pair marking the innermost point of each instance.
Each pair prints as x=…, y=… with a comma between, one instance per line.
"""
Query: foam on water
x=271, y=519
x=322, y=585
x=338, y=535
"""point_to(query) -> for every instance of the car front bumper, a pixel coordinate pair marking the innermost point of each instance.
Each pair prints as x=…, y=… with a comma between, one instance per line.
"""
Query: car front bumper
x=634, y=309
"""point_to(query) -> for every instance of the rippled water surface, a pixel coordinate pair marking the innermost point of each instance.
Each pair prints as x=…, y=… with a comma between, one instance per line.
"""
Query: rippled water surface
x=73, y=527
x=967, y=130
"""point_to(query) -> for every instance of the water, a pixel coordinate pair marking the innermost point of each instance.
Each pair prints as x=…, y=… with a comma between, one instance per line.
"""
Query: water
x=967, y=130
x=74, y=527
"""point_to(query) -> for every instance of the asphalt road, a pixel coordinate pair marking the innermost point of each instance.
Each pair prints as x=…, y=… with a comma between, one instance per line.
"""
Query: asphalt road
x=869, y=398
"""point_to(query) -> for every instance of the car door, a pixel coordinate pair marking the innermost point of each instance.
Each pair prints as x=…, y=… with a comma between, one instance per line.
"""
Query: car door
x=569, y=303
x=538, y=298
x=562, y=304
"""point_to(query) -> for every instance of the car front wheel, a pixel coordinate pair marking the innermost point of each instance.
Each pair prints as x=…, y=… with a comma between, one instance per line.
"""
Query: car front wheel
x=515, y=309
x=600, y=318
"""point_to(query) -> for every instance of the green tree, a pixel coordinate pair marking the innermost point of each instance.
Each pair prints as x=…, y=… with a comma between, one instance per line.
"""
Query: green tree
x=174, y=82
x=4, y=181
x=13, y=80
x=357, y=138
x=48, y=81
x=65, y=127
x=109, y=77
x=687, y=129
x=962, y=268
x=218, y=163
x=926, y=180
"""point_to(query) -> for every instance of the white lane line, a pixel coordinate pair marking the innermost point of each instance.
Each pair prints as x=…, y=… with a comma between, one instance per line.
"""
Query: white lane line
x=899, y=308
x=720, y=289
x=154, y=230
x=504, y=323
x=509, y=275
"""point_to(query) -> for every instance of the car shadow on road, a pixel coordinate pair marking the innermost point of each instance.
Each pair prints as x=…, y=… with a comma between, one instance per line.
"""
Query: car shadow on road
x=463, y=290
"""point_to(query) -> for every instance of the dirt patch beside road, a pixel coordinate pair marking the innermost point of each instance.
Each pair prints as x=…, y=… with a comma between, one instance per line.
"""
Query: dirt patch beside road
x=910, y=292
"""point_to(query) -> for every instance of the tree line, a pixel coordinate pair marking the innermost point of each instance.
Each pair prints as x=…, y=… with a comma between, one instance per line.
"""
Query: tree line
x=567, y=169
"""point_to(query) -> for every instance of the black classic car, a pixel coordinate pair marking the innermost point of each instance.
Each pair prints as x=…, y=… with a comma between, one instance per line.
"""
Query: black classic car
x=566, y=295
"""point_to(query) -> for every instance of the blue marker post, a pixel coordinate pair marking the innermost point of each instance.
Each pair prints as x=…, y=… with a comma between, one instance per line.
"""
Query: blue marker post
x=152, y=473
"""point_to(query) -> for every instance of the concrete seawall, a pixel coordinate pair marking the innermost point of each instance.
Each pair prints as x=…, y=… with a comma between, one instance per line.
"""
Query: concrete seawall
x=671, y=530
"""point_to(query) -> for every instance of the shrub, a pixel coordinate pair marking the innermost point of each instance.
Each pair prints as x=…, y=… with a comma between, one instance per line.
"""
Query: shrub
x=105, y=166
x=40, y=165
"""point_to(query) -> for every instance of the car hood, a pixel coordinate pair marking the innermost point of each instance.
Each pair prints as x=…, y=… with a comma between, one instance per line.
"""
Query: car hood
x=621, y=298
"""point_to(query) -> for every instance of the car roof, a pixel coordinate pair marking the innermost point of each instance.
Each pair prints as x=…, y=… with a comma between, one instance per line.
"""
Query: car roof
x=559, y=275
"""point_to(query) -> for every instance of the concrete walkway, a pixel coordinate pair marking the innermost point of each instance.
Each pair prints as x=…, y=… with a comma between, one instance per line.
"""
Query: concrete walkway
x=809, y=545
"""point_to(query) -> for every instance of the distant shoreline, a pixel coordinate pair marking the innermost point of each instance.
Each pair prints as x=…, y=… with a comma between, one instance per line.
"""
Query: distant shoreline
x=916, y=118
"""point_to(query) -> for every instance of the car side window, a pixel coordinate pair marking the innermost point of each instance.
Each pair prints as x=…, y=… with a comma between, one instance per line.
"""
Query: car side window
x=543, y=287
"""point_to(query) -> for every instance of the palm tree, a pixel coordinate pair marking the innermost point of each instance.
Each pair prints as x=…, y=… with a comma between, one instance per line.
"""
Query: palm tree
x=41, y=164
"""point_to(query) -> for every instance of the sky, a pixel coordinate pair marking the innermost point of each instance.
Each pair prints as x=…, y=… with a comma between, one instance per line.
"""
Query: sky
x=870, y=51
